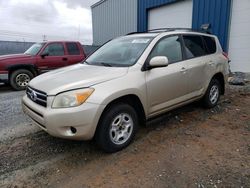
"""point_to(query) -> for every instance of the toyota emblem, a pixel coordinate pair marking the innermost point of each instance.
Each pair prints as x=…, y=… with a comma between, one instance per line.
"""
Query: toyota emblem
x=33, y=95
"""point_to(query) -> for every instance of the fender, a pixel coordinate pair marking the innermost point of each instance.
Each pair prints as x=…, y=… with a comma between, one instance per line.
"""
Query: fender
x=30, y=67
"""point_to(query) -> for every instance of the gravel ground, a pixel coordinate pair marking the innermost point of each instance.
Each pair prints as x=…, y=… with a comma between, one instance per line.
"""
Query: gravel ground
x=13, y=123
x=188, y=147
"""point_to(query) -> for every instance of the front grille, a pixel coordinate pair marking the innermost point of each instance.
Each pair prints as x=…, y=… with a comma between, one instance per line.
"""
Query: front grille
x=37, y=96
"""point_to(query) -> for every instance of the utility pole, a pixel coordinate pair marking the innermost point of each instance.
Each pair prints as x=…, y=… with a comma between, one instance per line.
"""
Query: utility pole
x=44, y=38
x=79, y=32
x=23, y=43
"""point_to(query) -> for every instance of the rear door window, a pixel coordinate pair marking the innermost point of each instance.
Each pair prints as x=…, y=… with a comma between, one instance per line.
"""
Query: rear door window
x=210, y=44
x=194, y=46
x=73, y=48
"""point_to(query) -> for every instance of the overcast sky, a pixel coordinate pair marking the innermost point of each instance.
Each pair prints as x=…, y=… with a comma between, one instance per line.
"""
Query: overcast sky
x=34, y=20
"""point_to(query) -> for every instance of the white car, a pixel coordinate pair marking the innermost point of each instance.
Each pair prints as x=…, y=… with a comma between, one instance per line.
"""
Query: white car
x=127, y=81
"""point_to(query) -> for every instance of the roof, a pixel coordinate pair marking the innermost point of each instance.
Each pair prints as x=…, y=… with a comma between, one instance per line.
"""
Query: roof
x=98, y=3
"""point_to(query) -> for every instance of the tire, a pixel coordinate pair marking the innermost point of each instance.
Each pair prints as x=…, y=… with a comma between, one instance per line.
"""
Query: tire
x=117, y=128
x=212, y=96
x=19, y=79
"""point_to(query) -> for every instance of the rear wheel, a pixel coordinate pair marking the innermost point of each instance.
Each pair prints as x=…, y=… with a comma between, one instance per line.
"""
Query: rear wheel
x=117, y=128
x=212, y=95
x=19, y=79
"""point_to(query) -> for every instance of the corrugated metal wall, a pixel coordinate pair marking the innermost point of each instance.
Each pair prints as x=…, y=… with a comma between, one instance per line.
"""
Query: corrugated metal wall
x=215, y=12
x=113, y=18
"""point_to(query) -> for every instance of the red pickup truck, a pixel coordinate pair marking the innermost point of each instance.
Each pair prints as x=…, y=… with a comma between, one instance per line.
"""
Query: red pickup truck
x=19, y=69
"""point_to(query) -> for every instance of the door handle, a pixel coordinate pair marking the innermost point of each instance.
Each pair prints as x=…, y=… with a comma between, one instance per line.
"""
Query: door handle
x=183, y=70
x=65, y=59
x=210, y=63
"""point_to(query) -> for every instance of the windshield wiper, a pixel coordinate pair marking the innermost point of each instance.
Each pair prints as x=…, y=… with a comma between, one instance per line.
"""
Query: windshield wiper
x=106, y=64
x=98, y=63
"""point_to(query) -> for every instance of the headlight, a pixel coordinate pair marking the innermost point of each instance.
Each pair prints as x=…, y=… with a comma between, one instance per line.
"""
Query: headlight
x=72, y=98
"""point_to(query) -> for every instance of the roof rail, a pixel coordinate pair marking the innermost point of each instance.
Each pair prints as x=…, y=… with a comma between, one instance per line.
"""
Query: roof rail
x=170, y=29
x=134, y=33
x=161, y=30
x=205, y=28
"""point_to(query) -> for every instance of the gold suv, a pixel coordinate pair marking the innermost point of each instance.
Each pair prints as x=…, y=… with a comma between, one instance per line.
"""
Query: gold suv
x=127, y=81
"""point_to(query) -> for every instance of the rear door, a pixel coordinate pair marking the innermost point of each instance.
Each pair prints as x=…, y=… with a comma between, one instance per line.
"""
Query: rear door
x=196, y=60
x=55, y=57
x=167, y=86
x=212, y=56
x=75, y=54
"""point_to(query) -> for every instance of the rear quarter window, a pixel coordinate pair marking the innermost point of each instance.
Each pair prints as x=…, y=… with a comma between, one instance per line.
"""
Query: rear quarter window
x=73, y=48
x=210, y=44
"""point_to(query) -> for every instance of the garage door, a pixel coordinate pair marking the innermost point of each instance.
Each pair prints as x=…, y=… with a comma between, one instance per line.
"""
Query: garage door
x=239, y=41
x=173, y=15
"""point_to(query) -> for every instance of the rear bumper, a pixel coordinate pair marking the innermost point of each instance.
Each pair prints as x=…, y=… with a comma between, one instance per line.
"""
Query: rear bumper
x=58, y=122
x=4, y=77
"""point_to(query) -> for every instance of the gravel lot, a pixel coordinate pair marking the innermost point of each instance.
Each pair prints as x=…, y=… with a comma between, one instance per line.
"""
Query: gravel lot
x=13, y=123
x=188, y=147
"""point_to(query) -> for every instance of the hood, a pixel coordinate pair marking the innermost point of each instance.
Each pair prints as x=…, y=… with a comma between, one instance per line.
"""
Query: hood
x=14, y=56
x=74, y=77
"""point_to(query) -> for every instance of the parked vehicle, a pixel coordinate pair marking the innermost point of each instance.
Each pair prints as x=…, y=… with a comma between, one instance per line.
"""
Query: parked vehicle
x=19, y=69
x=126, y=82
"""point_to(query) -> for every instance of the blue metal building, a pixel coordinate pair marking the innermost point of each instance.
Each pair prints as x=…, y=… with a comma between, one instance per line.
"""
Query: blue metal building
x=229, y=19
x=215, y=12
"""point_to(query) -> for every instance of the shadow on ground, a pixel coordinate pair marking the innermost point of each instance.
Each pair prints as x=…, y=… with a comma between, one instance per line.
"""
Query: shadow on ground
x=5, y=88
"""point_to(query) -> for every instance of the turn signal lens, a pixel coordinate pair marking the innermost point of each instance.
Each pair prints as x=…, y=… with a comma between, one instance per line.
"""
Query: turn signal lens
x=82, y=97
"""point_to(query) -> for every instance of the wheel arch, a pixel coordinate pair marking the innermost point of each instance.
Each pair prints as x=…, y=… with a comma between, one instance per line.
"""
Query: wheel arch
x=220, y=77
x=29, y=67
x=131, y=99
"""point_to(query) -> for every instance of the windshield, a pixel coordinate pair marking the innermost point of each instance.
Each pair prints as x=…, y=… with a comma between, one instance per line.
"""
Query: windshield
x=121, y=52
x=34, y=49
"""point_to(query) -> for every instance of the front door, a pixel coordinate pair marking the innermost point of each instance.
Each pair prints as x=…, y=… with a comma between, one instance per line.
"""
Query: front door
x=167, y=86
x=52, y=57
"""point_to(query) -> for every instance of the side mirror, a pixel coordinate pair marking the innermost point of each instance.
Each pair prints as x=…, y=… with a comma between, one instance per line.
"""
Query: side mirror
x=158, y=61
x=44, y=54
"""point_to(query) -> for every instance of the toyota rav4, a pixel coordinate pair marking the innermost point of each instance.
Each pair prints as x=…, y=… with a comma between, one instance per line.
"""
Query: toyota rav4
x=126, y=82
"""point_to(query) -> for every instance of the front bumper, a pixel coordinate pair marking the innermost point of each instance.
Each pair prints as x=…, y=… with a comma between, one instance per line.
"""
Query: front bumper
x=58, y=122
x=4, y=77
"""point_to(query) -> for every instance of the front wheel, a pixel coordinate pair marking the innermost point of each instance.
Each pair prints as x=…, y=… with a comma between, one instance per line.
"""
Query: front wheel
x=116, y=128
x=19, y=79
x=212, y=95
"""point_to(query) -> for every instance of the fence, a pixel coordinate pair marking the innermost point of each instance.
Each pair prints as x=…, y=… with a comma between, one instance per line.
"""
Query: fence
x=12, y=47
